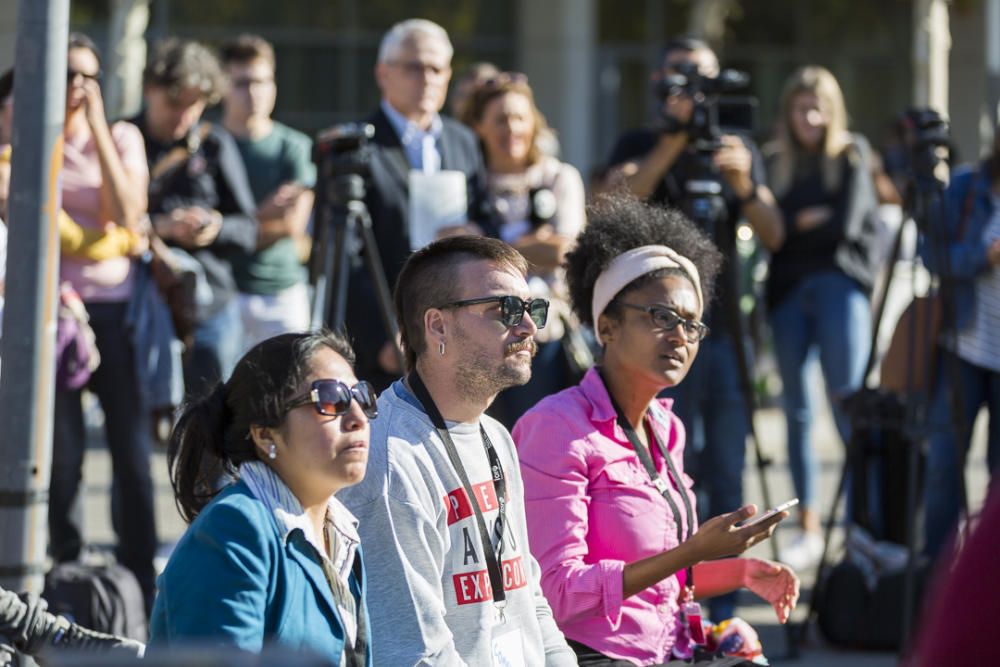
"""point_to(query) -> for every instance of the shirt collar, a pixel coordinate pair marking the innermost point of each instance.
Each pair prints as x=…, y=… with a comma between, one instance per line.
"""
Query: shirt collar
x=290, y=516
x=601, y=409
x=407, y=130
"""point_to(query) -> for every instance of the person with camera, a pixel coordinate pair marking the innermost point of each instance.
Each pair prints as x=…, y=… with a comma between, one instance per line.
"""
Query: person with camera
x=413, y=142
x=273, y=295
x=962, y=247
x=820, y=279
x=611, y=514
x=536, y=204
x=659, y=164
x=200, y=200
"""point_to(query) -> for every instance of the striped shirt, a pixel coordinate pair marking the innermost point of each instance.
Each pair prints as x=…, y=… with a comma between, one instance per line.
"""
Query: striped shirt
x=979, y=342
x=341, y=533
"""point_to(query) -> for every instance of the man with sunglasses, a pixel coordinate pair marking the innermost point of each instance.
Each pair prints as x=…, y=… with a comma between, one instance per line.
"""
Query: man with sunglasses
x=412, y=141
x=441, y=508
x=657, y=164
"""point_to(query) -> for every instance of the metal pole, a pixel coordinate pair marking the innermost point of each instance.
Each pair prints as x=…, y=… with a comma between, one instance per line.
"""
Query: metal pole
x=28, y=345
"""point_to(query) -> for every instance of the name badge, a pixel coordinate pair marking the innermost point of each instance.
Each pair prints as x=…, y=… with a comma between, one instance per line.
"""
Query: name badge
x=508, y=647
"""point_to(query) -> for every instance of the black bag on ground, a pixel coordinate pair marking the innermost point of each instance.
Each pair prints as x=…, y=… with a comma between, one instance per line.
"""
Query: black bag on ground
x=106, y=598
x=865, y=612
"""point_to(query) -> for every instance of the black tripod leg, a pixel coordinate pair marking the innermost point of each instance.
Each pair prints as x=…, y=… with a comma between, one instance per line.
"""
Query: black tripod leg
x=377, y=273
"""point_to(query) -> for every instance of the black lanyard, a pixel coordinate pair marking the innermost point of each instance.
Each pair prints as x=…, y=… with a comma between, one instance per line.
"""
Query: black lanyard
x=492, y=553
x=661, y=485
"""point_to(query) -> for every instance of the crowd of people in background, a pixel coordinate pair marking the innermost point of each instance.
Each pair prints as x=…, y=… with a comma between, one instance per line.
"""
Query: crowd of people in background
x=560, y=455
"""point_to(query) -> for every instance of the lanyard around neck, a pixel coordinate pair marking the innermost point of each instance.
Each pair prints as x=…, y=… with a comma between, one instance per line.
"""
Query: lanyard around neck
x=492, y=554
x=663, y=486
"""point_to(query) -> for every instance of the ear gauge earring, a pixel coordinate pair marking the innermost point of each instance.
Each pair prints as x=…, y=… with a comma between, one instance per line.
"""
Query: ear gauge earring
x=272, y=451
x=441, y=348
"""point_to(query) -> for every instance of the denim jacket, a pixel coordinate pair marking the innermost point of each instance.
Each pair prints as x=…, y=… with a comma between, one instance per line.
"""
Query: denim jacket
x=961, y=233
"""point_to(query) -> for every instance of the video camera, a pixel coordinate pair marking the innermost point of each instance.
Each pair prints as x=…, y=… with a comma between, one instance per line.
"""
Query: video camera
x=343, y=150
x=717, y=111
x=926, y=136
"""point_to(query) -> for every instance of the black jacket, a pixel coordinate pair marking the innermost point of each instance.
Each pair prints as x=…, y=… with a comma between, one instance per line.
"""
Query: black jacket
x=213, y=177
x=388, y=203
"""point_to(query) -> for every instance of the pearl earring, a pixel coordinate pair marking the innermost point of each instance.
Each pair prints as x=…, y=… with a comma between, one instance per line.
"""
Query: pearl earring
x=441, y=348
x=272, y=451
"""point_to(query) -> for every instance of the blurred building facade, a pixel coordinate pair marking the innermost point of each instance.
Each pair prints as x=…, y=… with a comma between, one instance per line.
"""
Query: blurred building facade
x=588, y=60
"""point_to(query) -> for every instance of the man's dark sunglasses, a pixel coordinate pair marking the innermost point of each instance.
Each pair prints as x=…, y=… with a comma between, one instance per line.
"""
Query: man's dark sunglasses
x=512, y=309
x=667, y=319
x=332, y=398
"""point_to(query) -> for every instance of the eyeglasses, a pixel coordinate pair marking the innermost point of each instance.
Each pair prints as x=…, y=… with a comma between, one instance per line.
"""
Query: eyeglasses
x=415, y=69
x=332, y=398
x=504, y=79
x=512, y=309
x=665, y=318
x=72, y=74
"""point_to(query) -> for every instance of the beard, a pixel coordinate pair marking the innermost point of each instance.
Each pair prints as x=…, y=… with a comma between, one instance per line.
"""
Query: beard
x=482, y=376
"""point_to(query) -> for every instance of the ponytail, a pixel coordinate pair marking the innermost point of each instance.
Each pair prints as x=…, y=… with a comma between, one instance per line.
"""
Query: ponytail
x=197, y=457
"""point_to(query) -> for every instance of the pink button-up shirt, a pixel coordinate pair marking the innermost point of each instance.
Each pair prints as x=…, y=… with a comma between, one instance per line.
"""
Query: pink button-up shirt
x=591, y=508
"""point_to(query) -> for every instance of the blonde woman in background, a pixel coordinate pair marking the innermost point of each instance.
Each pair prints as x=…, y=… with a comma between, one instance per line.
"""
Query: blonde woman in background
x=818, y=289
x=537, y=206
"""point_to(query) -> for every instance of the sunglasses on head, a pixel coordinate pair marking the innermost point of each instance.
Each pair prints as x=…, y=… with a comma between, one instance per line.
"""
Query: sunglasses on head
x=512, y=309
x=332, y=398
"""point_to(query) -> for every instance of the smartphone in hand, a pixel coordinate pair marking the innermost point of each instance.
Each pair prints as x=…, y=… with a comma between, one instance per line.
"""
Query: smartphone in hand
x=764, y=516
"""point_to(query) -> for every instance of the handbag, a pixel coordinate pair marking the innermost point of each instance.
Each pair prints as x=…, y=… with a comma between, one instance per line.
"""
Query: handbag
x=76, y=345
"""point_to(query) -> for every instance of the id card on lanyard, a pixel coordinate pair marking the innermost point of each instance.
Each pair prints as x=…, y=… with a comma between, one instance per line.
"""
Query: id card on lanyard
x=492, y=547
x=690, y=610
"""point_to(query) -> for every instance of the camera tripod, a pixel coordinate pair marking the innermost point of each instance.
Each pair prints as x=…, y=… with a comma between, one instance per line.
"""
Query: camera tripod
x=341, y=216
x=704, y=203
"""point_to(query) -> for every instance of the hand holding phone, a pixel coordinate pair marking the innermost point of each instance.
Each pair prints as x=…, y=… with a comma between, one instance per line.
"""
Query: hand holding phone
x=764, y=516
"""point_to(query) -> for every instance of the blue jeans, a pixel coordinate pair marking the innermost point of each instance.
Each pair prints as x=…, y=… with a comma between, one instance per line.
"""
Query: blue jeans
x=827, y=313
x=711, y=405
x=128, y=431
x=979, y=387
x=215, y=350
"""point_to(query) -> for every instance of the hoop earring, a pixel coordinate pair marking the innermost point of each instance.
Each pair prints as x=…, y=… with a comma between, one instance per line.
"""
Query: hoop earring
x=441, y=348
x=272, y=451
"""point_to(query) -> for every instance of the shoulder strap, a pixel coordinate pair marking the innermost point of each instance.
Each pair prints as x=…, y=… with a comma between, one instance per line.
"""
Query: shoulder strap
x=179, y=155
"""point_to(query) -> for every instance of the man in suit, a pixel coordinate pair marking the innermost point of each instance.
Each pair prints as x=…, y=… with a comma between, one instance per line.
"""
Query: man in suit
x=412, y=72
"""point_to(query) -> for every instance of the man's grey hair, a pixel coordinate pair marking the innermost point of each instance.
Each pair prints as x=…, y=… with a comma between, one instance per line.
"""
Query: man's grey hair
x=409, y=29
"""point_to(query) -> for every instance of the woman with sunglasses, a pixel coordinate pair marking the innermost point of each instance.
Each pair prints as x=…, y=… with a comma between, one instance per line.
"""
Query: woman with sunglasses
x=104, y=181
x=536, y=204
x=611, y=514
x=272, y=557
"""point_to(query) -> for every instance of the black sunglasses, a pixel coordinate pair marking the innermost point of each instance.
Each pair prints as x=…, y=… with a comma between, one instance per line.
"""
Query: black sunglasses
x=332, y=398
x=667, y=319
x=512, y=309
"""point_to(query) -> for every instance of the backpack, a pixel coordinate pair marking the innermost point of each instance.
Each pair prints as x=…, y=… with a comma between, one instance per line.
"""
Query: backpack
x=106, y=598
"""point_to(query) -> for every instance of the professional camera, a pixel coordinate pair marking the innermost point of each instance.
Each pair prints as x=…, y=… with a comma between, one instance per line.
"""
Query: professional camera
x=716, y=111
x=925, y=133
x=344, y=150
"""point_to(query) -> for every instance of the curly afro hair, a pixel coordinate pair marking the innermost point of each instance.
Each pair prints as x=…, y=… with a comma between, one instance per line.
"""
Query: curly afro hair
x=617, y=223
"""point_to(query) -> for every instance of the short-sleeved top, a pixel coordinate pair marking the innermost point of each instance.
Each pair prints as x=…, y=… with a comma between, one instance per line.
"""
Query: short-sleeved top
x=637, y=144
x=283, y=156
x=106, y=280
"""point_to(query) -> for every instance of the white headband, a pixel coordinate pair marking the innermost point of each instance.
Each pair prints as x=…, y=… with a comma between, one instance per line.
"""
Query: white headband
x=630, y=265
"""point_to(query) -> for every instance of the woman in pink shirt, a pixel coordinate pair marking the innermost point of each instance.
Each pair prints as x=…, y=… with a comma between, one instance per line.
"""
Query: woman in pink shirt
x=104, y=182
x=611, y=515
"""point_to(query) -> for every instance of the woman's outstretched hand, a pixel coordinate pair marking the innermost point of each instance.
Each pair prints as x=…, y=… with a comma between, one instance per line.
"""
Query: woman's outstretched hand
x=773, y=582
x=720, y=536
